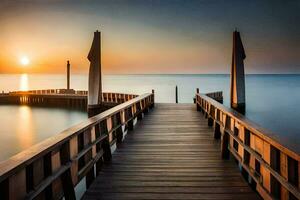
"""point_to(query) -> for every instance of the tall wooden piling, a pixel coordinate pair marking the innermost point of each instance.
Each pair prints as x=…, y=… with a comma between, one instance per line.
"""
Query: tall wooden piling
x=95, y=84
x=237, y=84
x=95, y=90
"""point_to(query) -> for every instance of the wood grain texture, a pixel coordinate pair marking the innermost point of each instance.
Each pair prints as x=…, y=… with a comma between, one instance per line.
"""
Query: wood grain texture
x=171, y=154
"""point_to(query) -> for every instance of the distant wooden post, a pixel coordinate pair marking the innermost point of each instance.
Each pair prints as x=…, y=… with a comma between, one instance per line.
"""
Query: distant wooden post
x=237, y=84
x=176, y=94
x=68, y=75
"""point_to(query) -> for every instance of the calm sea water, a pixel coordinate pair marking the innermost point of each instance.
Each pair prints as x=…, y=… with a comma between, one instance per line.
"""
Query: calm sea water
x=272, y=102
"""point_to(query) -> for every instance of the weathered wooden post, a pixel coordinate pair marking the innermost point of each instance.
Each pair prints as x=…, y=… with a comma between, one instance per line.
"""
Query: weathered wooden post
x=237, y=84
x=68, y=75
x=95, y=96
x=176, y=94
x=95, y=84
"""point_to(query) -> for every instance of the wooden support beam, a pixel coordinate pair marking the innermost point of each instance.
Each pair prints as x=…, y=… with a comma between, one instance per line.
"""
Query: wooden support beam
x=66, y=177
x=57, y=191
x=224, y=145
x=217, y=130
x=210, y=121
x=105, y=144
x=17, y=185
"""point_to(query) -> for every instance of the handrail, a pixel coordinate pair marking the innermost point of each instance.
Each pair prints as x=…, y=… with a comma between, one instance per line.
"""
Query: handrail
x=54, y=166
x=272, y=166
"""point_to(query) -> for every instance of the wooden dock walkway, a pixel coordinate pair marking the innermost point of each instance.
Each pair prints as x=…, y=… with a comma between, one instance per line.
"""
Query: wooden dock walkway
x=171, y=154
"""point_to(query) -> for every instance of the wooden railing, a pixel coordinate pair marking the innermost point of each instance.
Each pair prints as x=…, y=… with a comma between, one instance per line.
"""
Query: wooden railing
x=218, y=96
x=106, y=96
x=51, y=169
x=117, y=97
x=271, y=168
x=49, y=91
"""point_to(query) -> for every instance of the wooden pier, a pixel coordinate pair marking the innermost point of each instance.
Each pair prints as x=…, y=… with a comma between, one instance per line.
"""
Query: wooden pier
x=61, y=98
x=170, y=151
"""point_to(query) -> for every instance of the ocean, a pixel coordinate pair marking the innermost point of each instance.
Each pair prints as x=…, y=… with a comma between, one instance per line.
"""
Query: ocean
x=271, y=101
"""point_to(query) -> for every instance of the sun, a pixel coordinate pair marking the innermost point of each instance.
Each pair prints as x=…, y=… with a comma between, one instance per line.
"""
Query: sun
x=24, y=60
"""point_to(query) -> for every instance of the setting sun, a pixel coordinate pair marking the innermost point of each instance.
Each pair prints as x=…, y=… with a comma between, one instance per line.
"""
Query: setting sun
x=24, y=60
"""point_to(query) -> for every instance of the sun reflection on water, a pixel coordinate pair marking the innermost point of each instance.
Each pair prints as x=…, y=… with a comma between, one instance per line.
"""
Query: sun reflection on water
x=23, y=82
x=25, y=129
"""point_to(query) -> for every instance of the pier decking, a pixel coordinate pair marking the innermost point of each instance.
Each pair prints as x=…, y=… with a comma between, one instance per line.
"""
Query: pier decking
x=171, y=154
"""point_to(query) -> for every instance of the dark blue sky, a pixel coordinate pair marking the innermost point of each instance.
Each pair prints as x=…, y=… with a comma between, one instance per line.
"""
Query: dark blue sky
x=153, y=36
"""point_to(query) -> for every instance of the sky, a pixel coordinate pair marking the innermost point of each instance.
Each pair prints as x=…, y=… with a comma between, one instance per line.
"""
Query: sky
x=149, y=36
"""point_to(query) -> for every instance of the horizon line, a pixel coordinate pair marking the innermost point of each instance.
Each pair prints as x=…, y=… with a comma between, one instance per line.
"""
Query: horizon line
x=151, y=73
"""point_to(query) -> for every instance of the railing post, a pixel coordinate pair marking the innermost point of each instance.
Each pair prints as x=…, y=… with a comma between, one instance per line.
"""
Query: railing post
x=195, y=98
x=130, y=125
x=210, y=121
x=224, y=145
x=217, y=131
x=129, y=114
x=66, y=178
x=68, y=188
x=146, y=107
x=152, y=99
x=105, y=145
x=140, y=111
x=119, y=131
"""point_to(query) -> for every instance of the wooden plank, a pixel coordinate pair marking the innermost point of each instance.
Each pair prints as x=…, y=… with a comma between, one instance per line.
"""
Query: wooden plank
x=93, y=138
x=73, y=154
x=17, y=182
x=171, y=154
x=56, y=185
x=38, y=172
x=259, y=145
